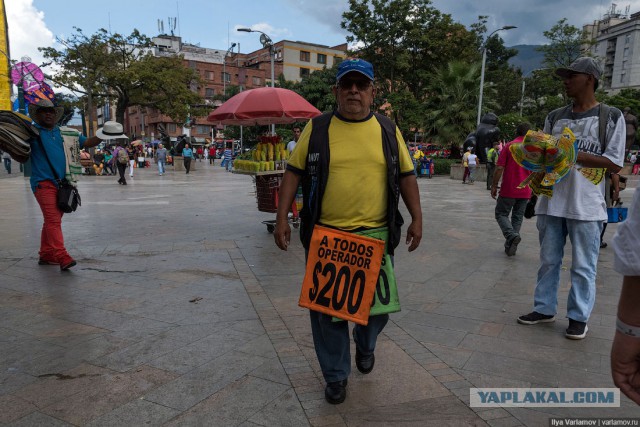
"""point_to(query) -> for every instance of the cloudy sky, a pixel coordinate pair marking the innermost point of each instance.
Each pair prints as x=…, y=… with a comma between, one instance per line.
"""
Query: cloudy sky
x=212, y=23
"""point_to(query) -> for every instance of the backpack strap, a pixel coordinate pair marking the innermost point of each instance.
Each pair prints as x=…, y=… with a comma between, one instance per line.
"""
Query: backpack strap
x=559, y=113
x=602, y=125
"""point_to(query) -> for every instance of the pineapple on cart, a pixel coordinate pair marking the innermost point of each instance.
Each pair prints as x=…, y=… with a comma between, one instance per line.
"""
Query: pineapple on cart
x=266, y=106
x=266, y=164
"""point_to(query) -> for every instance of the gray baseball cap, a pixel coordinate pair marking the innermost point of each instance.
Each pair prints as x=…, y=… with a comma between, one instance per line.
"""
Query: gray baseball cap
x=583, y=65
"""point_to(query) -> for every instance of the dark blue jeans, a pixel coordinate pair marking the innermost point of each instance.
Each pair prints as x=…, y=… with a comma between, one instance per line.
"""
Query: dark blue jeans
x=331, y=340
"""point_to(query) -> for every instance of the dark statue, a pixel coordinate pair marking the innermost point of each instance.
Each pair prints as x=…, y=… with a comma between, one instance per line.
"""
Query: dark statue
x=483, y=138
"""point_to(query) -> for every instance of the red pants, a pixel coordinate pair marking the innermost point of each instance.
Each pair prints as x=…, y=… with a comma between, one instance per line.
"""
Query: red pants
x=51, y=240
x=466, y=174
x=635, y=169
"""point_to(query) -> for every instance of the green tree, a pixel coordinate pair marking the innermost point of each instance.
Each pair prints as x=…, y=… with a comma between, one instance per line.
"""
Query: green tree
x=70, y=103
x=504, y=79
x=163, y=83
x=316, y=88
x=566, y=44
x=499, y=75
x=406, y=40
x=122, y=69
x=625, y=98
x=543, y=93
x=453, y=89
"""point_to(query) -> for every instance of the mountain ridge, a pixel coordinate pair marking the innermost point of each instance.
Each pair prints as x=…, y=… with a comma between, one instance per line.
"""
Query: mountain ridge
x=527, y=59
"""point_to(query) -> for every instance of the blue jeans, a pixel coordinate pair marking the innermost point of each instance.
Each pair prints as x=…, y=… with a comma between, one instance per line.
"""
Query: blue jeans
x=160, y=166
x=505, y=206
x=331, y=341
x=585, y=241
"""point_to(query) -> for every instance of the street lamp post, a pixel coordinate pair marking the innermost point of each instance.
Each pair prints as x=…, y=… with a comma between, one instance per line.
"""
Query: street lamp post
x=484, y=60
x=224, y=70
x=522, y=97
x=266, y=42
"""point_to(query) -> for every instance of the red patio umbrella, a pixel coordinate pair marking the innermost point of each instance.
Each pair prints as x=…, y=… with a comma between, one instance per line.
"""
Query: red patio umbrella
x=263, y=106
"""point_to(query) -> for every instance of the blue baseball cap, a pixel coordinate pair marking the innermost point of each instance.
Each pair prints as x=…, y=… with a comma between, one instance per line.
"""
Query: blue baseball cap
x=359, y=65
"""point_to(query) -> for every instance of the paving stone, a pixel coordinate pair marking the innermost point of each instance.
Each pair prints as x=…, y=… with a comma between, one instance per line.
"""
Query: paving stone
x=448, y=378
x=428, y=334
x=38, y=419
x=528, y=351
x=19, y=408
x=203, y=381
x=491, y=414
x=442, y=411
x=271, y=370
x=504, y=422
x=456, y=384
x=13, y=379
x=239, y=402
x=135, y=413
x=90, y=392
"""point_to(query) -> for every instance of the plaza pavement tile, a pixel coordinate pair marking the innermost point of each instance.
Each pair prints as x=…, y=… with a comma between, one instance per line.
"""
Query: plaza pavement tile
x=181, y=311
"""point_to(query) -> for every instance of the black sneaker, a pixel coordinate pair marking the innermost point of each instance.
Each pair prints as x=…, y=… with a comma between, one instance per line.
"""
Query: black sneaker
x=576, y=330
x=513, y=246
x=336, y=392
x=534, y=318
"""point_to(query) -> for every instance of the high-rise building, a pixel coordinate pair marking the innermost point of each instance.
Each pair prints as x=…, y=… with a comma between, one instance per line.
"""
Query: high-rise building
x=617, y=46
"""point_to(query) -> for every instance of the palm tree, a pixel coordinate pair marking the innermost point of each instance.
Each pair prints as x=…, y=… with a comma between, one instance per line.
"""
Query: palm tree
x=452, y=102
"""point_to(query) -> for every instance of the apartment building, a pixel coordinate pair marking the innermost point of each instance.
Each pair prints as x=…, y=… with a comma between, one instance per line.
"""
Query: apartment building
x=617, y=37
x=219, y=69
x=295, y=59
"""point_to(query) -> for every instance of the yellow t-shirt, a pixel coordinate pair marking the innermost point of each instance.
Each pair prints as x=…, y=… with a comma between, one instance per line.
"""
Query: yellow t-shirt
x=356, y=193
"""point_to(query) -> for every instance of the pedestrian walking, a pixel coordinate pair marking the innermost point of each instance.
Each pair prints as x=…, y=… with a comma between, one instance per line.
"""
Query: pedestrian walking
x=465, y=164
x=472, y=160
x=212, y=153
x=227, y=157
x=6, y=158
x=577, y=208
x=121, y=156
x=161, y=158
x=511, y=200
x=492, y=158
x=49, y=161
x=351, y=196
x=132, y=159
x=187, y=154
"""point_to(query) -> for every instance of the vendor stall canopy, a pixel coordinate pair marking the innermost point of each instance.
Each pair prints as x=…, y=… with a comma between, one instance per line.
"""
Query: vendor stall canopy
x=263, y=106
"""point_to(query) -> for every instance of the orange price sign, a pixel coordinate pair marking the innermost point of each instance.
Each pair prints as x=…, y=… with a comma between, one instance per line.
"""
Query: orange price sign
x=342, y=273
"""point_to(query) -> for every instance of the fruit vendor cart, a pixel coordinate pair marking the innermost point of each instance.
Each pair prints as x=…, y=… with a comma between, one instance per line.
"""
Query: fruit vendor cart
x=266, y=164
x=266, y=106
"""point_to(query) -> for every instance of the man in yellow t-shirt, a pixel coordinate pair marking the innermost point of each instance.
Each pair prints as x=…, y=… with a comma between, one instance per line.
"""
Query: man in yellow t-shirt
x=355, y=197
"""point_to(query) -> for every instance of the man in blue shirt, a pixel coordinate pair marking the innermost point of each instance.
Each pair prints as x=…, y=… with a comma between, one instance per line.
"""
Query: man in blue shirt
x=44, y=183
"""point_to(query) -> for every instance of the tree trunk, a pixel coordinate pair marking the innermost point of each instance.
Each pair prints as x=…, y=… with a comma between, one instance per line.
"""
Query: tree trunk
x=121, y=108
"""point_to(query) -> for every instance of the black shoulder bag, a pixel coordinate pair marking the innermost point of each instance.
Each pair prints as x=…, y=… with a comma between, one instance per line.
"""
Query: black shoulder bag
x=68, y=196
